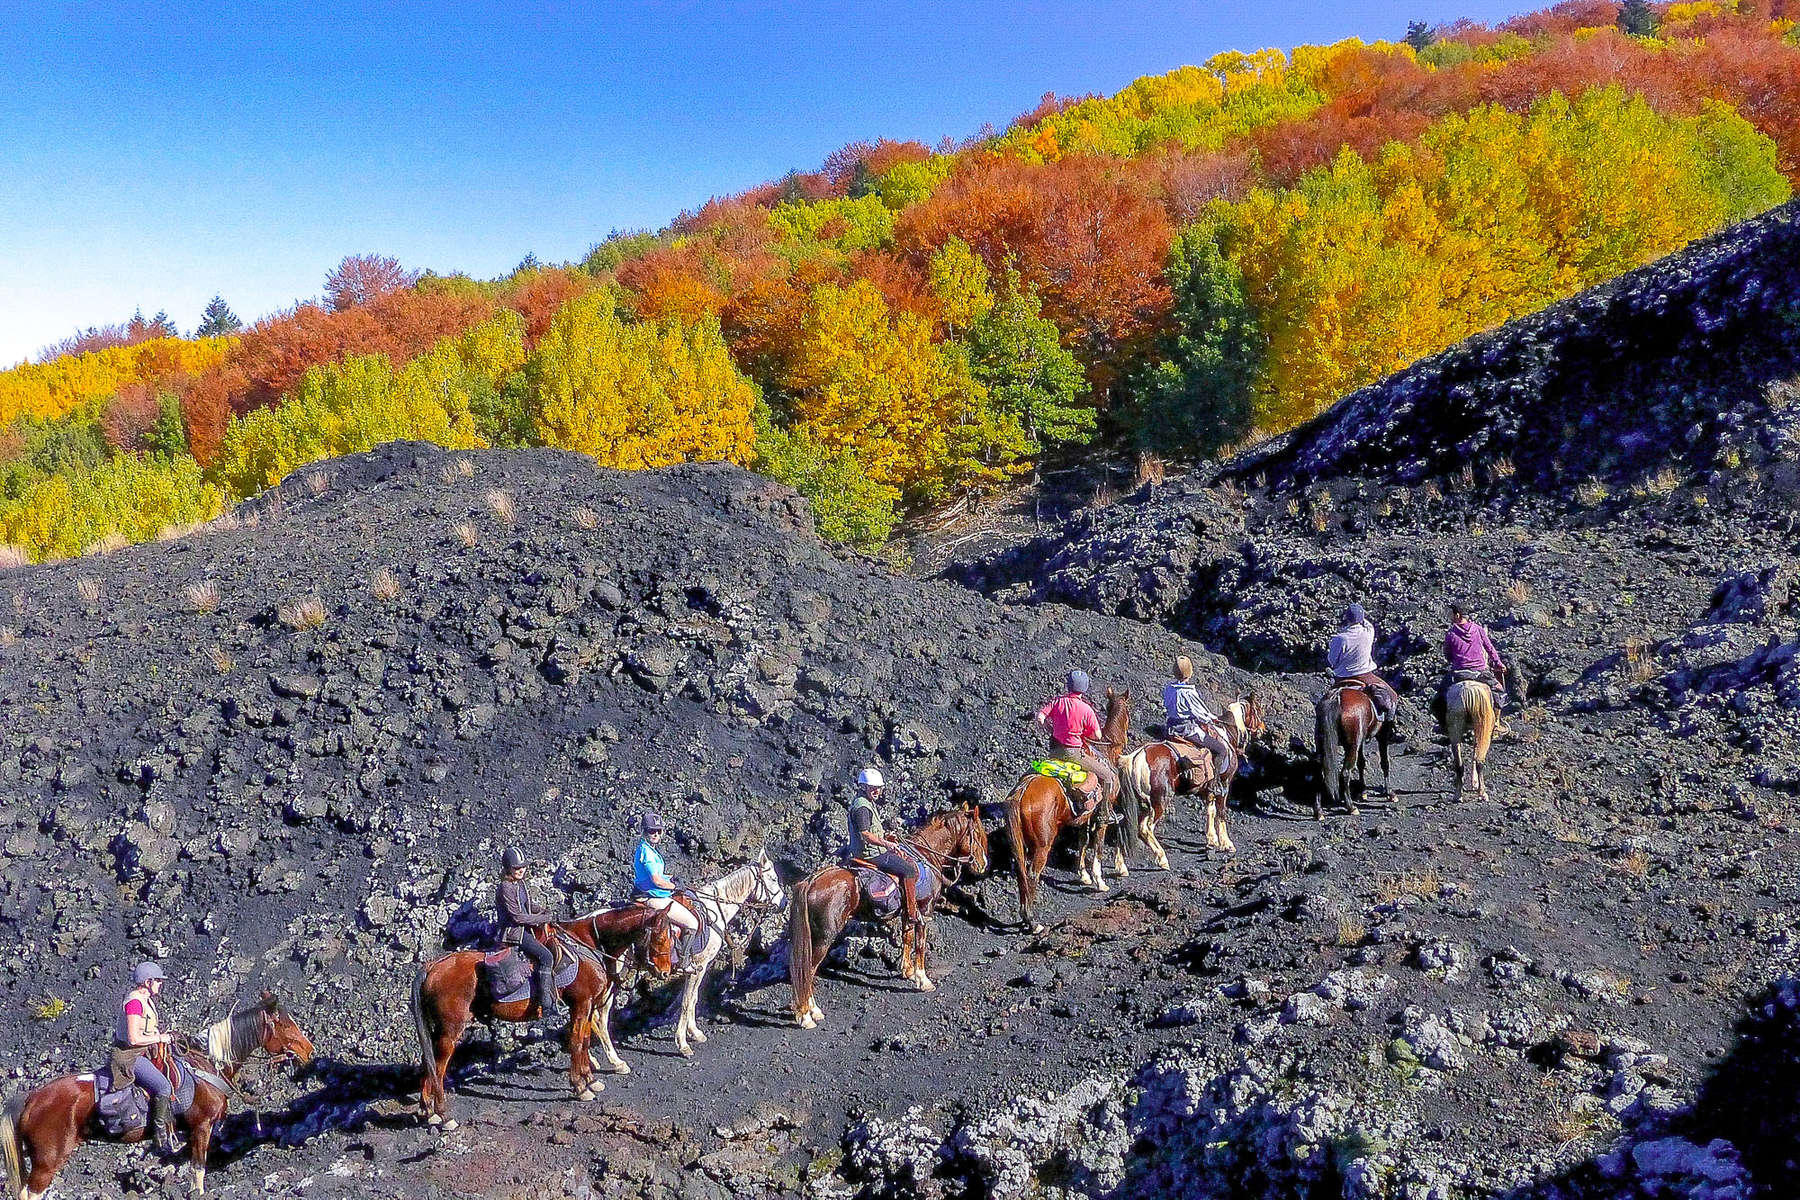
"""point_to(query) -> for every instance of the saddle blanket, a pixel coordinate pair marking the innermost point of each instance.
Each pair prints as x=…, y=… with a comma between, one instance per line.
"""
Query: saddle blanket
x=508, y=975
x=1073, y=776
x=882, y=890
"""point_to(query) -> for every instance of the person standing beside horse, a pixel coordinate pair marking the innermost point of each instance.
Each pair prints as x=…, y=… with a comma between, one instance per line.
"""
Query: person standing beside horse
x=652, y=885
x=1351, y=657
x=887, y=856
x=1074, y=728
x=139, y=1028
x=521, y=920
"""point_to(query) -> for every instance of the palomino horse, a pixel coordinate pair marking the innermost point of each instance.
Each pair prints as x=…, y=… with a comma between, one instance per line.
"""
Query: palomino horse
x=1151, y=779
x=1469, y=708
x=754, y=884
x=44, y=1126
x=1039, y=809
x=1343, y=718
x=448, y=992
x=825, y=903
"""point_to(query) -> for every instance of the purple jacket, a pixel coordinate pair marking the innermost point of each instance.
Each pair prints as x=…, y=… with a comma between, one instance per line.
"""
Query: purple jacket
x=1469, y=648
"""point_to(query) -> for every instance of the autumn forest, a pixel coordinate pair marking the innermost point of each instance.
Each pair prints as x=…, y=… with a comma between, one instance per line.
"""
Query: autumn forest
x=1210, y=256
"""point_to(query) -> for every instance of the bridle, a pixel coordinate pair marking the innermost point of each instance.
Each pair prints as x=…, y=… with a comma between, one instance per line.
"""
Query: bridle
x=948, y=866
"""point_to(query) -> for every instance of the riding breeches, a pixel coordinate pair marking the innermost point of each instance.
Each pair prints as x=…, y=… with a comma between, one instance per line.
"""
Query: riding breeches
x=679, y=915
x=1109, y=778
x=1381, y=693
x=150, y=1078
x=898, y=865
x=534, y=949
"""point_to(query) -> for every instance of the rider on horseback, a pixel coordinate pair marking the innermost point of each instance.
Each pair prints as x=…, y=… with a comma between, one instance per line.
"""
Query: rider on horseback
x=139, y=1027
x=1187, y=719
x=1351, y=656
x=1074, y=727
x=1470, y=654
x=652, y=885
x=866, y=831
x=521, y=916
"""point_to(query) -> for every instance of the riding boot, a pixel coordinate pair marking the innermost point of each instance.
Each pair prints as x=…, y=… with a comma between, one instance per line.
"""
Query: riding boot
x=162, y=1125
x=549, y=1003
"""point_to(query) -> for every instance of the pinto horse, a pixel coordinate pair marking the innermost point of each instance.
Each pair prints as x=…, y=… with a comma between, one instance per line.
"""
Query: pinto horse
x=42, y=1127
x=716, y=906
x=1151, y=779
x=1039, y=809
x=1469, y=709
x=448, y=993
x=1343, y=719
x=823, y=904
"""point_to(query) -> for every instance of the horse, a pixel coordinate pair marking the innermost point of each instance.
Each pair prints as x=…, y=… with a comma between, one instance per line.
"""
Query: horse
x=1343, y=718
x=1150, y=779
x=42, y=1127
x=447, y=993
x=1039, y=809
x=1469, y=708
x=825, y=902
x=717, y=905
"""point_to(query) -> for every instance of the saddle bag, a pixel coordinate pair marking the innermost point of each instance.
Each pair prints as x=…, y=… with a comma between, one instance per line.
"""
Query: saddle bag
x=881, y=888
x=121, y=1110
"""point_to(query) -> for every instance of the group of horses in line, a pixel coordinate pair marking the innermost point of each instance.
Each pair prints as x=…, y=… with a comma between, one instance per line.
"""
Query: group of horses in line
x=613, y=947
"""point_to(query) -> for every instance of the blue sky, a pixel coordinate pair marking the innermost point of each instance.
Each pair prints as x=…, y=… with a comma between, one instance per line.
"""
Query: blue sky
x=153, y=155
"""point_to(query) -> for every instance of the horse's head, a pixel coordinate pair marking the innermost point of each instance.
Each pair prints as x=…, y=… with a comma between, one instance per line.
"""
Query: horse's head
x=767, y=889
x=1117, y=726
x=656, y=943
x=282, y=1036
x=972, y=840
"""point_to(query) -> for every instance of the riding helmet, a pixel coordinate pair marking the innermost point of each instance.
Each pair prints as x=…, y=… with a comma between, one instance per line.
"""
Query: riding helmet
x=1079, y=683
x=1354, y=615
x=870, y=777
x=511, y=861
x=144, y=972
x=652, y=823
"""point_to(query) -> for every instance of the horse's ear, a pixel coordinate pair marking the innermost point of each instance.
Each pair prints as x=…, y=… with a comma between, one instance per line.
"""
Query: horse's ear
x=270, y=1003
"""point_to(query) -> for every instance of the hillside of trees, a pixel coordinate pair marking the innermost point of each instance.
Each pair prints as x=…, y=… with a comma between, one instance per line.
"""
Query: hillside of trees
x=1209, y=256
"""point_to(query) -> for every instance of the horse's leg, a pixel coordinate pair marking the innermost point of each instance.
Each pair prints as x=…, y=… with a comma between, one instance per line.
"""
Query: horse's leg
x=199, y=1125
x=921, y=941
x=53, y=1135
x=684, y=1006
x=1040, y=859
x=443, y=1049
x=579, y=1035
x=603, y=1026
x=1218, y=802
x=691, y=995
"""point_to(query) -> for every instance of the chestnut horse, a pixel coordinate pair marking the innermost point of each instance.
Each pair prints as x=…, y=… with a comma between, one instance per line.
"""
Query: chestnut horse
x=44, y=1126
x=1151, y=779
x=823, y=904
x=1039, y=809
x=1343, y=718
x=448, y=991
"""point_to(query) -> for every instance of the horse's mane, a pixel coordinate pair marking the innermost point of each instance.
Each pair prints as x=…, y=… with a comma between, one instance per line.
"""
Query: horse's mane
x=733, y=886
x=230, y=1042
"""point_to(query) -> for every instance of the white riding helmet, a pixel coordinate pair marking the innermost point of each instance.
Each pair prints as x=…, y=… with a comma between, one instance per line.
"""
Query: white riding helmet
x=869, y=777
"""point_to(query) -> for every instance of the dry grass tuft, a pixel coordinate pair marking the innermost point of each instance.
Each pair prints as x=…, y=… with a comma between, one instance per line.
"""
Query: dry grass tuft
x=1518, y=592
x=1573, y=1125
x=585, y=518
x=1424, y=884
x=9, y=637
x=1501, y=468
x=12, y=556
x=1590, y=492
x=221, y=661
x=1663, y=482
x=319, y=483
x=1105, y=495
x=501, y=504
x=106, y=545
x=1636, y=863
x=306, y=612
x=1640, y=660
x=225, y=522
x=464, y=532
x=1351, y=931
x=1150, y=469
x=457, y=468
x=202, y=596
x=1464, y=479
x=1430, y=491
x=87, y=588
x=384, y=584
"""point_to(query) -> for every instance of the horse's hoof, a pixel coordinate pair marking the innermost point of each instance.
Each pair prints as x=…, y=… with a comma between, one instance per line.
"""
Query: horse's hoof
x=1350, y=810
x=447, y=1127
x=686, y=1051
x=586, y=1093
x=619, y=1068
x=1162, y=864
x=925, y=985
x=434, y=1120
x=806, y=1022
x=696, y=1035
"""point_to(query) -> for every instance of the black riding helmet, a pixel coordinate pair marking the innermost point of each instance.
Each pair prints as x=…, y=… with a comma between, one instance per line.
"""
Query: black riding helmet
x=511, y=861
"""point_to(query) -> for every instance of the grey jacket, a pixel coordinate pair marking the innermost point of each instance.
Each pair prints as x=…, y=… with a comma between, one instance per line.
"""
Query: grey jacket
x=519, y=911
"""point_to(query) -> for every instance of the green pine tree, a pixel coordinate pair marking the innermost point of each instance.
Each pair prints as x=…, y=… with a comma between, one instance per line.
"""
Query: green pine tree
x=1419, y=35
x=218, y=320
x=1018, y=355
x=1637, y=18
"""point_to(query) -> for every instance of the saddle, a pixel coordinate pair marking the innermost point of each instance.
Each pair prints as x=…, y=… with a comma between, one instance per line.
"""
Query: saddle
x=121, y=1106
x=507, y=972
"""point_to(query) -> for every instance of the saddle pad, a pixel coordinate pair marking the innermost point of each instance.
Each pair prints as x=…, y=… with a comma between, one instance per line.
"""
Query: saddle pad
x=881, y=889
x=1057, y=768
x=519, y=987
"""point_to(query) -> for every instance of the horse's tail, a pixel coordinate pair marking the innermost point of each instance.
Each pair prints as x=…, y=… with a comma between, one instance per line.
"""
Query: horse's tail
x=9, y=1143
x=1326, y=715
x=427, y=1051
x=1134, y=793
x=800, y=948
x=1015, y=822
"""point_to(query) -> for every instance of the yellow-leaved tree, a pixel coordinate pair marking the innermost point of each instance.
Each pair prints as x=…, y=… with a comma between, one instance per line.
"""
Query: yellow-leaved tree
x=54, y=389
x=643, y=394
x=132, y=496
x=873, y=383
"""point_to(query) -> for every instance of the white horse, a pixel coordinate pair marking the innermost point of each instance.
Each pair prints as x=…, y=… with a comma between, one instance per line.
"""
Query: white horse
x=753, y=884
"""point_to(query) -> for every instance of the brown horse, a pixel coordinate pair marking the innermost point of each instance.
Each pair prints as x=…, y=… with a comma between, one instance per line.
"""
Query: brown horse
x=42, y=1127
x=1343, y=719
x=1151, y=779
x=825, y=903
x=448, y=992
x=1039, y=809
